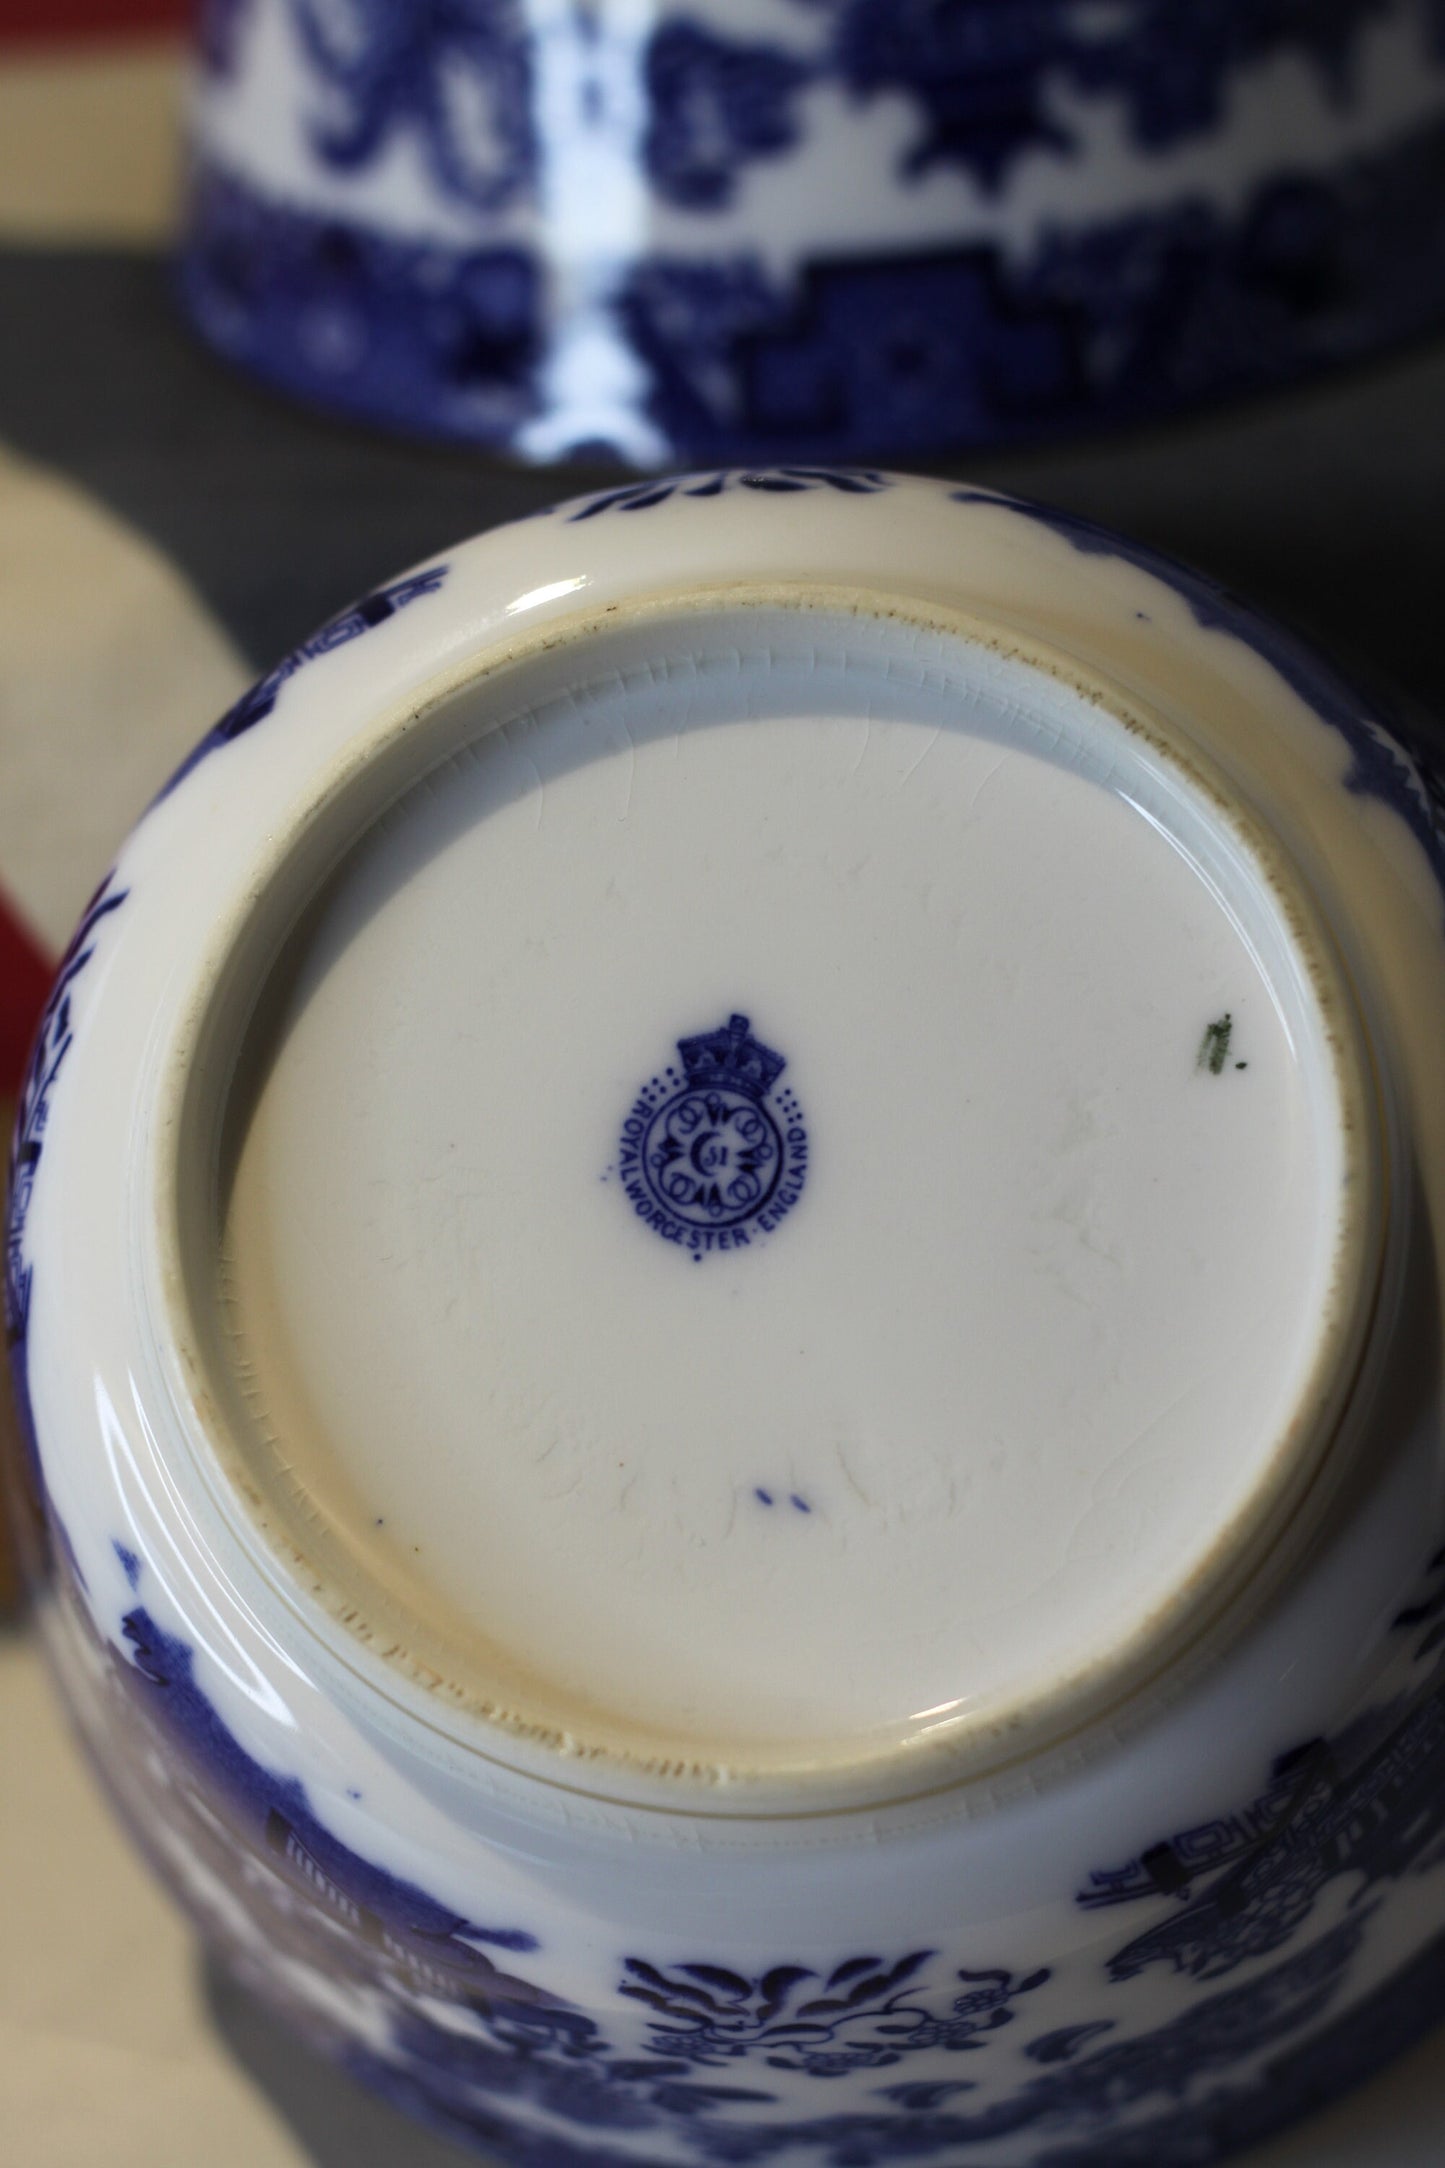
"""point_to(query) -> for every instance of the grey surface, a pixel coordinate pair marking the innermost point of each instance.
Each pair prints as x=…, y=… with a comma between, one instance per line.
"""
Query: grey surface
x=1324, y=505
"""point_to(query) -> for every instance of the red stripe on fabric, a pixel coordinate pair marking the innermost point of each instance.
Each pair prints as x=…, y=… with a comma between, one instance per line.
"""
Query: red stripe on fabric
x=25, y=975
x=56, y=21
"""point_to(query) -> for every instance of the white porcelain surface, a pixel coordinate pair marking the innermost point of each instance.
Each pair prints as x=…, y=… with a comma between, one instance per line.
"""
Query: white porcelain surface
x=569, y=1665
x=1050, y=1294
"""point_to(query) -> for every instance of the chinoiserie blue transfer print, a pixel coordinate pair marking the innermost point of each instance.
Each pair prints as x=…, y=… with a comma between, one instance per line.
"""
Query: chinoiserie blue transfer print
x=766, y=481
x=711, y=1155
x=1184, y=265
x=701, y=2055
x=258, y=701
x=1391, y=758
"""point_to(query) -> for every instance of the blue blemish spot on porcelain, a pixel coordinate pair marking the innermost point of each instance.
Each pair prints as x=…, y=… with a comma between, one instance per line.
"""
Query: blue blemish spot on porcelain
x=130, y=1564
x=801, y=1504
x=764, y=1498
x=706, y=1161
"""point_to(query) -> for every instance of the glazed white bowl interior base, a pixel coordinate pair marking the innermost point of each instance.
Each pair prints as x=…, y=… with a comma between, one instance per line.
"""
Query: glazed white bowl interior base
x=1052, y=1281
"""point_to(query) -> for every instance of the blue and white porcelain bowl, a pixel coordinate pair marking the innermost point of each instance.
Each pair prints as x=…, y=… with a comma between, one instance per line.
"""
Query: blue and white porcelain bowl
x=723, y=1265
x=674, y=230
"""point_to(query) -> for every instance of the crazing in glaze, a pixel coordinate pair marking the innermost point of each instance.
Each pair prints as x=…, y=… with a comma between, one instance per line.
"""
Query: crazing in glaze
x=704, y=1159
x=259, y=700
x=567, y=228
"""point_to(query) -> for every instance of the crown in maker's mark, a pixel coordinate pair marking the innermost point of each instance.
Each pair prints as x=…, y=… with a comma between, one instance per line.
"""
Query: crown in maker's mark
x=710, y=1157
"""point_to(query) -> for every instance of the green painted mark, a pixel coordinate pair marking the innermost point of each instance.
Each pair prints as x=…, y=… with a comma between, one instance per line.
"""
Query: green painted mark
x=1214, y=1046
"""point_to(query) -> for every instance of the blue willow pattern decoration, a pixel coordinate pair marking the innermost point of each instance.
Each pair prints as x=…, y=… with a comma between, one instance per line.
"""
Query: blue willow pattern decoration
x=54, y=1033
x=1367, y=1804
x=767, y=482
x=1394, y=764
x=455, y=73
x=714, y=105
x=981, y=71
x=835, y=353
x=864, y=2016
x=1366, y=1807
x=259, y=700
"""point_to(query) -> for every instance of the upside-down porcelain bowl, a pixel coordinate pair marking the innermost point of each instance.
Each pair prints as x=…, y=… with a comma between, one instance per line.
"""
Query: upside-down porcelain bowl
x=722, y=1263
x=677, y=230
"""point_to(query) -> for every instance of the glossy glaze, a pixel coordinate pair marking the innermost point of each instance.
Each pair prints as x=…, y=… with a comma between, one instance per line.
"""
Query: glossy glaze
x=1149, y=1912
x=752, y=229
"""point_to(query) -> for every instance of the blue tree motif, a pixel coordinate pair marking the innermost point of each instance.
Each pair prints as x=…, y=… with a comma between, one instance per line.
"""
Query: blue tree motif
x=976, y=69
x=1367, y=1804
x=1174, y=65
x=715, y=104
x=529, y=2049
x=980, y=70
x=456, y=72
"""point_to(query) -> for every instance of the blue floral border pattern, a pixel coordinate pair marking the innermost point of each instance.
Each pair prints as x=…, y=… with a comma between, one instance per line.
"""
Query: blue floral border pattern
x=1368, y=1804
x=843, y=355
x=259, y=700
